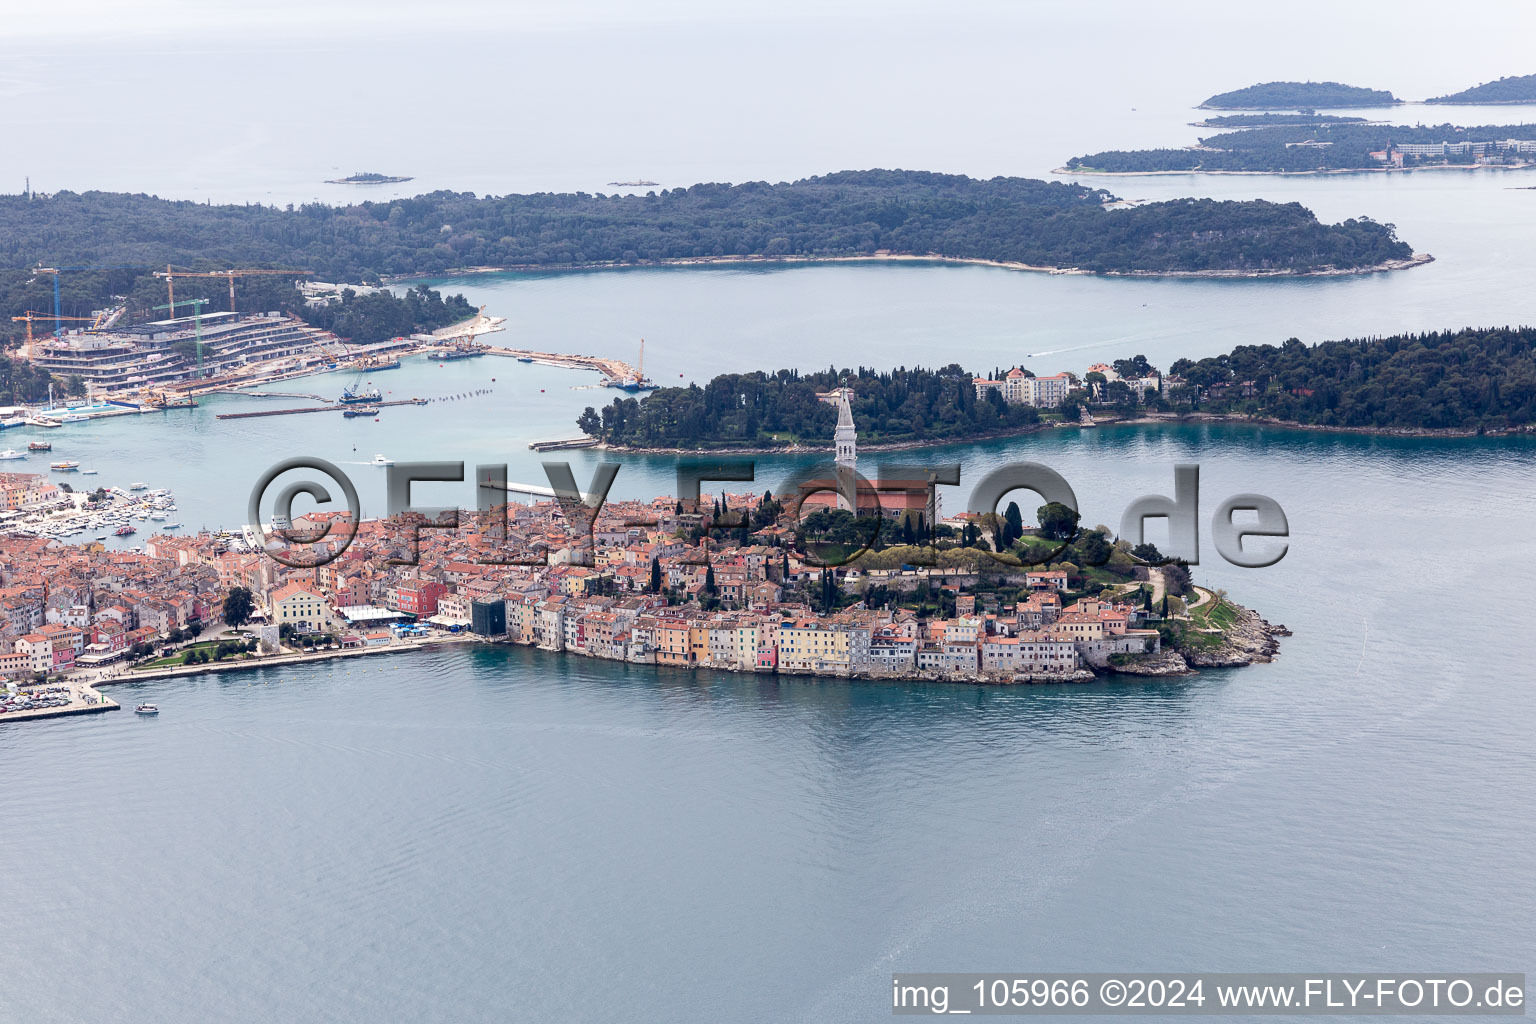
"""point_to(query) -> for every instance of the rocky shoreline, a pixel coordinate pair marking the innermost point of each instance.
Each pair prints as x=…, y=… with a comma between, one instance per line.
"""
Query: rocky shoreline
x=1417, y=259
x=1084, y=172
x=1004, y=435
x=1251, y=640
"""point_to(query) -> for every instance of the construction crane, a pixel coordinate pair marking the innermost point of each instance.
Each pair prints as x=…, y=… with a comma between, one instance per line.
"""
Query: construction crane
x=197, y=325
x=32, y=314
x=170, y=274
x=58, y=328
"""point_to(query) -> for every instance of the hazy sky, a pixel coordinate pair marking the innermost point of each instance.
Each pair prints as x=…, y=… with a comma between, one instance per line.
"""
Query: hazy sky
x=264, y=100
x=1432, y=28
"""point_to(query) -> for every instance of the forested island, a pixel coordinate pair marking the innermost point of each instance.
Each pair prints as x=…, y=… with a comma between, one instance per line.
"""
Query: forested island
x=1299, y=96
x=1505, y=90
x=1467, y=381
x=1300, y=149
x=1270, y=120
x=367, y=178
x=1017, y=221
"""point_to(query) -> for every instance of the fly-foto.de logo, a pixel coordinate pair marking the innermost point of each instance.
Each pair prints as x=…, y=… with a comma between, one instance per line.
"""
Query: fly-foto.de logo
x=828, y=514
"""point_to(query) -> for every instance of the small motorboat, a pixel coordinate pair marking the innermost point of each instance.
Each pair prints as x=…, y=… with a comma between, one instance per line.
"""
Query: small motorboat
x=138, y=487
x=381, y=460
x=146, y=709
x=40, y=446
x=88, y=472
x=11, y=453
x=66, y=466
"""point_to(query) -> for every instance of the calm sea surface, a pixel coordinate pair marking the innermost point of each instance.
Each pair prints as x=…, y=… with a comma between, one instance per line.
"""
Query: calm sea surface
x=483, y=833
x=503, y=834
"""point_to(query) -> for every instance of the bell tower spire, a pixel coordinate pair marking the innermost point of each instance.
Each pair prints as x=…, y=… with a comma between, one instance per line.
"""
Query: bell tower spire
x=846, y=436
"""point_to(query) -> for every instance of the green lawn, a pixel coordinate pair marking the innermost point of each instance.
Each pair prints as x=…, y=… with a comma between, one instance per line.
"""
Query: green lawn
x=180, y=656
x=1216, y=614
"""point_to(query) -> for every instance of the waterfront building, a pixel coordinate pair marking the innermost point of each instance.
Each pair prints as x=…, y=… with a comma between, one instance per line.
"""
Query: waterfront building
x=304, y=608
x=151, y=354
x=1018, y=387
x=488, y=618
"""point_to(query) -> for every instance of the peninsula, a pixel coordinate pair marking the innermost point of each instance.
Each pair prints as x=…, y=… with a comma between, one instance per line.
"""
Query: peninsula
x=1326, y=148
x=1470, y=381
x=1308, y=119
x=1299, y=96
x=1010, y=221
x=728, y=584
x=1505, y=90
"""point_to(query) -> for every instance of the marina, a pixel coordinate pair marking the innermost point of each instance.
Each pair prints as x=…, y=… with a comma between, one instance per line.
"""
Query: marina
x=73, y=514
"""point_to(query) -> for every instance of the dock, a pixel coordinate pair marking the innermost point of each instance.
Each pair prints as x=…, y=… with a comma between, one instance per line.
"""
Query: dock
x=269, y=394
x=555, y=446
x=614, y=371
x=316, y=408
x=85, y=699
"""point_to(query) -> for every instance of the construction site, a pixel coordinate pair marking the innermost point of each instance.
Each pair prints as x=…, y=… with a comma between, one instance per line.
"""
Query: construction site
x=170, y=362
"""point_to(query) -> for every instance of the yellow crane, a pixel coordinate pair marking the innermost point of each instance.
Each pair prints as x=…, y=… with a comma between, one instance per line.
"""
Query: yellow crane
x=32, y=314
x=170, y=274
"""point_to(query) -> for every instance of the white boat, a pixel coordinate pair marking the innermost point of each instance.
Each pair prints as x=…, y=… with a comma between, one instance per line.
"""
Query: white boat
x=158, y=517
x=73, y=417
x=147, y=709
x=173, y=526
x=138, y=487
x=380, y=460
x=87, y=472
x=66, y=466
x=11, y=453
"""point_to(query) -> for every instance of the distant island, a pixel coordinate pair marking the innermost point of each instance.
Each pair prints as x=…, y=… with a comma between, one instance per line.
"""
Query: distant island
x=1464, y=382
x=1301, y=149
x=1299, y=96
x=1307, y=118
x=1017, y=223
x=1505, y=90
x=633, y=184
x=367, y=178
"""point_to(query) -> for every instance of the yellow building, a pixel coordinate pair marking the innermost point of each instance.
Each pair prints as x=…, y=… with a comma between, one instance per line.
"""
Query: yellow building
x=808, y=646
x=303, y=608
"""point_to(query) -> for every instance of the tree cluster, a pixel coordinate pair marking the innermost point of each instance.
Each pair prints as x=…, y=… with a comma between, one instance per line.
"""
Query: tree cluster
x=379, y=316
x=1302, y=148
x=753, y=409
x=1300, y=96
x=1521, y=89
x=1475, y=378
